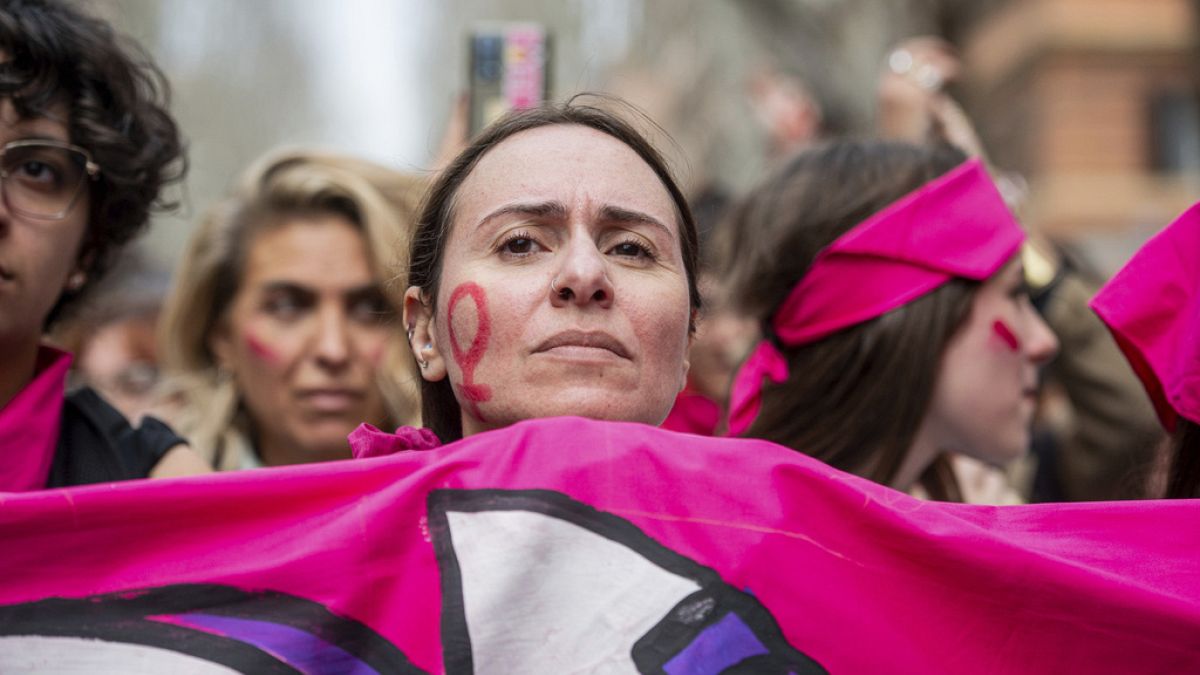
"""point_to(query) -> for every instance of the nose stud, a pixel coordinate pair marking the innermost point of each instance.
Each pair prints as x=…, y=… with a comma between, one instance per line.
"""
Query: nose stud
x=564, y=293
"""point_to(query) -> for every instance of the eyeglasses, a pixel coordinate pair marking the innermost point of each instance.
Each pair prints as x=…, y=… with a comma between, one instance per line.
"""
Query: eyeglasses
x=43, y=179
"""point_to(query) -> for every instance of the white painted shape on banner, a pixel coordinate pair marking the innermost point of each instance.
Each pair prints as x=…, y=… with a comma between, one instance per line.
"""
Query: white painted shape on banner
x=30, y=654
x=543, y=595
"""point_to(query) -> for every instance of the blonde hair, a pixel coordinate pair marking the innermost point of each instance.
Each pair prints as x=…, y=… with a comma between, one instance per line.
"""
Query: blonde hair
x=381, y=202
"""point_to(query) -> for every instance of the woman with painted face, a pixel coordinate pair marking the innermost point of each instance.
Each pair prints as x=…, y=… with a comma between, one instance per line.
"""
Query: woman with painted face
x=1152, y=307
x=280, y=335
x=86, y=143
x=887, y=282
x=552, y=273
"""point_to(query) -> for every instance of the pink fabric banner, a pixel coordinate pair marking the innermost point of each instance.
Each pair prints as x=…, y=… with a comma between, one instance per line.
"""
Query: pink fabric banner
x=570, y=545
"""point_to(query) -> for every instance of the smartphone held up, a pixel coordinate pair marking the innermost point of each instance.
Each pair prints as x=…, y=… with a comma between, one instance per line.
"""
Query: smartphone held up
x=510, y=70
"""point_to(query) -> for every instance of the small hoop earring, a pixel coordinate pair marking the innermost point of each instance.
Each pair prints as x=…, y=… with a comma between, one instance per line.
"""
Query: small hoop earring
x=423, y=363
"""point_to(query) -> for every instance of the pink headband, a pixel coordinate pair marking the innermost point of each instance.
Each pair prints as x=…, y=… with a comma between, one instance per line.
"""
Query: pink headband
x=954, y=226
x=1152, y=307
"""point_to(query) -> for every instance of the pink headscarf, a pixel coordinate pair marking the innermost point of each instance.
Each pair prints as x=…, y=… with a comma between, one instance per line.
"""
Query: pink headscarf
x=1152, y=307
x=954, y=226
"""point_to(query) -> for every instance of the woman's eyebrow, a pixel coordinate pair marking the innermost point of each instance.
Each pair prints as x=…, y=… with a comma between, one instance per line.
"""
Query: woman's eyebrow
x=551, y=210
x=291, y=287
x=620, y=214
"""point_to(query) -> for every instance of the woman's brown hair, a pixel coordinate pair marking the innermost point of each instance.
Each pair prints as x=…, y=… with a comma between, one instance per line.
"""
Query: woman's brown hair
x=855, y=399
x=440, y=411
x=1183, y=480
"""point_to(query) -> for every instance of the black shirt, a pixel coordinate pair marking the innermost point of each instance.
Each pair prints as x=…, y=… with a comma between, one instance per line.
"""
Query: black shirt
x=96, y=444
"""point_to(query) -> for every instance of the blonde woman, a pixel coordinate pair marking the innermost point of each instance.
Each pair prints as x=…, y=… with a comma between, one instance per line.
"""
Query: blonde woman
x=281, y=334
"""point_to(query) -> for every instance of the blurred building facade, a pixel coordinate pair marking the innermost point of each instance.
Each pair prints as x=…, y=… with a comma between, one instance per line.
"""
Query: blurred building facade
x=1095, y=103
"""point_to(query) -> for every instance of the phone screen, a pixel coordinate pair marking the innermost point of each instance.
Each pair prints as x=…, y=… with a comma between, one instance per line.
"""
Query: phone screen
x=509, y=70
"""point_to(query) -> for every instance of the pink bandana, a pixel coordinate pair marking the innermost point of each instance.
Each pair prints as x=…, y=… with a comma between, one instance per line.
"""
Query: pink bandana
x=954, y=226
x=29, y=425
x=1152, y=307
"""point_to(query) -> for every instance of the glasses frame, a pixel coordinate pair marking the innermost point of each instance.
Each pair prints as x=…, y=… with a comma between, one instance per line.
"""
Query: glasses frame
x=91, y=168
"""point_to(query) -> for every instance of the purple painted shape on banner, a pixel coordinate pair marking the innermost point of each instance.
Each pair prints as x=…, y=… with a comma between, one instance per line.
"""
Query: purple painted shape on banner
x=716, y=648
x=299, y=649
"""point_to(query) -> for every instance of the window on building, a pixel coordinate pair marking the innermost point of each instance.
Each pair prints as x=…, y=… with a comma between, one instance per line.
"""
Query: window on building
x=1175, y=132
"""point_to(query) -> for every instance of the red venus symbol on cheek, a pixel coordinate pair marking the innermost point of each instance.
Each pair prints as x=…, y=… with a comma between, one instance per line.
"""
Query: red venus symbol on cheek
x=1006, y=335
x=468, y=359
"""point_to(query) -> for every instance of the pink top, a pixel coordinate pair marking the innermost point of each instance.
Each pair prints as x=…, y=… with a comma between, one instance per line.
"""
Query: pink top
x=369, y=441
x=29, y=424
x=1152, y=307
x=955, y=226
x=693, y=413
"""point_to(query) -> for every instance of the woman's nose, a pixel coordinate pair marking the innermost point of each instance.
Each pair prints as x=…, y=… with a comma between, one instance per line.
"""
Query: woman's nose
x=332, y=348
x=582, y=276
x=1042, y=345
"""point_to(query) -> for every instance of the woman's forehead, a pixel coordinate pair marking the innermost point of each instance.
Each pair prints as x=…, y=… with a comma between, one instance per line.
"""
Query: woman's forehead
x=564, y=163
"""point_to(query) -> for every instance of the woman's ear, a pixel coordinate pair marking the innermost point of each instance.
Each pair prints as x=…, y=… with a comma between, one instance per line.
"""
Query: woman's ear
x=419, y=324
x=79, y=276
x=687, y=353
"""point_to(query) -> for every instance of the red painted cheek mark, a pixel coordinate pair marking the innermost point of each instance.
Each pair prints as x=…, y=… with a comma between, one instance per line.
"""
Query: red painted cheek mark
x=468, y=359
x=375, y=355
x=260, y=349
x=1006, y=335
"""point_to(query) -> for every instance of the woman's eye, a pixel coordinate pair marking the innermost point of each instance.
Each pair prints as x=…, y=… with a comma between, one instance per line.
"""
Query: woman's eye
x=519, y=245
x=632, y=249
x=38, y=172
x=1021, y=291
x=283, y=307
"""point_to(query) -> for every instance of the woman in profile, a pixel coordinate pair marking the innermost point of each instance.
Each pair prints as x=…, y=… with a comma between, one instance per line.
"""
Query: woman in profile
x=897, y=325
x=281, y=332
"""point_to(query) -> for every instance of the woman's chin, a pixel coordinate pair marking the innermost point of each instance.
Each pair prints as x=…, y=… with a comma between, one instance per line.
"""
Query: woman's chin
x=623, y=406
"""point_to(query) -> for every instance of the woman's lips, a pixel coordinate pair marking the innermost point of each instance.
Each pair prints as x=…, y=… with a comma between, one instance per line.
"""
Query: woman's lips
x=331, y=400
x=583, y=344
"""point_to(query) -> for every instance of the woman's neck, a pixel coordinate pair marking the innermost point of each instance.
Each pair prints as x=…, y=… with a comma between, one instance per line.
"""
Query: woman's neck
x=921, y=453
x=18, y=360
x=277, y=451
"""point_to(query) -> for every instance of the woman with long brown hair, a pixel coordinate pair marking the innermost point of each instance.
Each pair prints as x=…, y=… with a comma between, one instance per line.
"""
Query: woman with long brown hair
x=897, y=327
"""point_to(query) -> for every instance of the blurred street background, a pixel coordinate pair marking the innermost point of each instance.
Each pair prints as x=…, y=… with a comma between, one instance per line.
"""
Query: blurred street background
x=1092, y=104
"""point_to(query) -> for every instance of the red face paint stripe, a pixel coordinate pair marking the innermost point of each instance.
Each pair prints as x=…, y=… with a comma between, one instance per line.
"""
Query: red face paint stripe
x=1006, y=334
x=260, y=349
x=469, y=359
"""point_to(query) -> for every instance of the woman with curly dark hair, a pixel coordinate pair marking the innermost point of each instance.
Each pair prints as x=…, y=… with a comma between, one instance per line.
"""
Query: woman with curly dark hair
x=86, y=144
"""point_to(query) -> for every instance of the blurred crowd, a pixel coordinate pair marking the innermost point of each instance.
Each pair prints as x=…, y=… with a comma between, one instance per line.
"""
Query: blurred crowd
x=872, y=301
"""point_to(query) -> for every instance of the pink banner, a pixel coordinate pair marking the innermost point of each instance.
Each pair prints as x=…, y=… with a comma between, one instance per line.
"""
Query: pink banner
x=570, y=545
